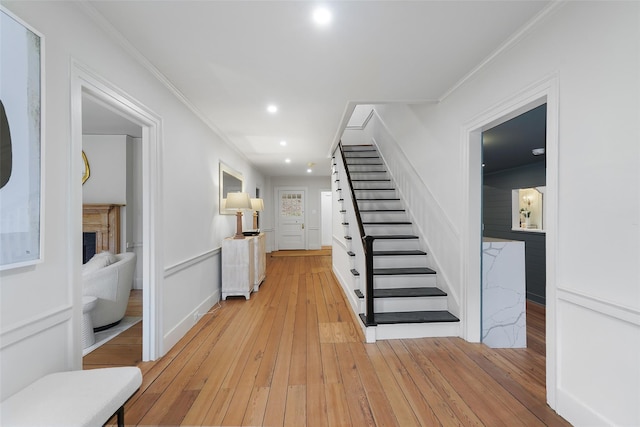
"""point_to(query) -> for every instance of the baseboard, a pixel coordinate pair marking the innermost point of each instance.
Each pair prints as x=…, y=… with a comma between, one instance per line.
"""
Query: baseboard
x=172, y=337
x=577, y=413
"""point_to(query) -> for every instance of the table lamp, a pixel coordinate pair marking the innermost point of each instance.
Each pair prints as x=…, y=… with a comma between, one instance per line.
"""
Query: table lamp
x=257, y=205
x=238, y=201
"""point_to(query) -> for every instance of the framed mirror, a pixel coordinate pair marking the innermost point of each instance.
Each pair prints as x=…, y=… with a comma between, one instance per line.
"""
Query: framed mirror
x=230, y=181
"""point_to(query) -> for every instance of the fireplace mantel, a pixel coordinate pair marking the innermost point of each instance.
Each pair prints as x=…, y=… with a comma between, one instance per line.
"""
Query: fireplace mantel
x=104, y=220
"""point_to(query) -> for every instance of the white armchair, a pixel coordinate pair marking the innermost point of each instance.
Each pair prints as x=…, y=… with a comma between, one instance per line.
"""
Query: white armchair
x=111, y=285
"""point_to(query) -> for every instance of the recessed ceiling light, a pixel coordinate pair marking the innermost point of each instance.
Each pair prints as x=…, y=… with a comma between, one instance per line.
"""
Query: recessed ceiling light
x=283, y=143
x=287, y=160
x=309, y=170
x=322, y=16
x=272, y=108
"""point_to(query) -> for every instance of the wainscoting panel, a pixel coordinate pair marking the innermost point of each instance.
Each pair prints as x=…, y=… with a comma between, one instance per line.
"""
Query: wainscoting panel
x=22, y=345
x=193, y=287
x=603, y=339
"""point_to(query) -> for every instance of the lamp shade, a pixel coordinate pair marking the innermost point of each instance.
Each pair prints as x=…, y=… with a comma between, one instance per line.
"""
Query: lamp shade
x=257, y=205
x=238, y=201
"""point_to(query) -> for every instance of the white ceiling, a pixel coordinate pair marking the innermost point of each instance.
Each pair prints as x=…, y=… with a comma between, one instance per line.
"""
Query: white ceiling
x=231, y=59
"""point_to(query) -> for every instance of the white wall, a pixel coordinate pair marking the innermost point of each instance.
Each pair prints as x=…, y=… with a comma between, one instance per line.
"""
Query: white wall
x=107, y=157
x=40, y=305
x=594, y=50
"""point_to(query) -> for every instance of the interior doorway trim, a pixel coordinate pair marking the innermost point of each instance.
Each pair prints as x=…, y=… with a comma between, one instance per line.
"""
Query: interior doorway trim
x=84, y=80
x=543, y=91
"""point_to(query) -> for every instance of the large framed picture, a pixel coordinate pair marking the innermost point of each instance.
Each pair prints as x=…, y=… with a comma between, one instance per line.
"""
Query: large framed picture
x=20, y=143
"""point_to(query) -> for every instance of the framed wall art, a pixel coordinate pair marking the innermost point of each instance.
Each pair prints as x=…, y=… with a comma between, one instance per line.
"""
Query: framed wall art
x=20, y=143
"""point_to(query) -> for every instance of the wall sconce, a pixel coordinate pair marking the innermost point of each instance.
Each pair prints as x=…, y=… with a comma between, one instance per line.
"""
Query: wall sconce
x=238, y=201
x=257, y=205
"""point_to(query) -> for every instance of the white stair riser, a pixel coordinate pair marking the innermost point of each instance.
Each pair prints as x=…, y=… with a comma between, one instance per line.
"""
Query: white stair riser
x=364, y=159
x=379, y=204
x=376, y=194
x=378, y=230
x=399, y=261
x=367, y=175
x=366, y=168
x=383, y=216
x=417, y=330
x=365, y=185
x=389, y=305
x=396, y=245
x=404, y=281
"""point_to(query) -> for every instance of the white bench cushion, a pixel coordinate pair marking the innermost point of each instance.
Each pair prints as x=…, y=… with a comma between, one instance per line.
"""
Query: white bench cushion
x=74, y=398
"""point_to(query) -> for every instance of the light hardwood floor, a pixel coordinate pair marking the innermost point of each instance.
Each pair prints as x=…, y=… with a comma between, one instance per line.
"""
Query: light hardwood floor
x=293, y=355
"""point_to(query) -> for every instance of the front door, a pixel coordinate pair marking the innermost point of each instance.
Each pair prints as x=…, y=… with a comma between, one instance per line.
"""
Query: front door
x=291, y=232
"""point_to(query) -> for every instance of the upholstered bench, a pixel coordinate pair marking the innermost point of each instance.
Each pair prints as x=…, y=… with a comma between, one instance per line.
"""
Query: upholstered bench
x=75, y=398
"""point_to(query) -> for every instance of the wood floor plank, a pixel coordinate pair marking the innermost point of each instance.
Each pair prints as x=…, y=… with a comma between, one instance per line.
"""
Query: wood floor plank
x=256, y=408
x=357, y=402
x=399, y=405
x=421, y=409
x=294, y=354
x=295, y=413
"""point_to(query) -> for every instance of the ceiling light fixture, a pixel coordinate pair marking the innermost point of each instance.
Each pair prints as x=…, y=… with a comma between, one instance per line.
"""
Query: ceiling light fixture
x=287, y=160
x=322, y=16
x=309, y=170
x=537, y=151
x=272, y=108
x=283, y=143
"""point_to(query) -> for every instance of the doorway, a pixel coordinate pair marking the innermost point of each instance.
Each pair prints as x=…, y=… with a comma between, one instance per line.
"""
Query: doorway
x=86, y=83
x=513, y=253
x=544, y=91
x=291, y=218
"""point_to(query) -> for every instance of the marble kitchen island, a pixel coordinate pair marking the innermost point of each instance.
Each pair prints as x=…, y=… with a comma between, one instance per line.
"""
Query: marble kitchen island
x=503, y=293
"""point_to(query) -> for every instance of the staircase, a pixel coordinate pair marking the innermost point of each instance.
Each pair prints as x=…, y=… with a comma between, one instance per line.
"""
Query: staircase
x=407, y=302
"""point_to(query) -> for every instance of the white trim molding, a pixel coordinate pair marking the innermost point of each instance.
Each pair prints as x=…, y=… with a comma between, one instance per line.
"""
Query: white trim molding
x=183, y=265
x=543, y=91
x=85, y=80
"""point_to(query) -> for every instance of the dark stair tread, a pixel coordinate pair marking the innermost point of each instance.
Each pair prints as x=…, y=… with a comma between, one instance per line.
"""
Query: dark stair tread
x=402, y=271
x=405, y=293
x=387, y=223
x=362, y=157
x=351, y=253
x=347, y=237
x=343, y=211
x=398, y=253
x=413, y=317
x=394, y=237
x=345, y=223
x=354, y=272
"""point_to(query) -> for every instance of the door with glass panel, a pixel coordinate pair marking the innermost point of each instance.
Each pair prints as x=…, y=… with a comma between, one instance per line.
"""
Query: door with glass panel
x=291, y=219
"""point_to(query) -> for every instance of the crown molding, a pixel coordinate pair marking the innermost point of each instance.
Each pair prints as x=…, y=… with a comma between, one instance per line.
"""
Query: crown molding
x=510, y=42
x=123, y=42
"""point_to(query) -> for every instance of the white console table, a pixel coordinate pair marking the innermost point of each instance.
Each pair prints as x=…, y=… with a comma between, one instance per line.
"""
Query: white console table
x=260, y=260
x=243, y=265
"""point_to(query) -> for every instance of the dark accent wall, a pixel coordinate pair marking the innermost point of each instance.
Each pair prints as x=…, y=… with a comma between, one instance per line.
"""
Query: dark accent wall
x=496, y=216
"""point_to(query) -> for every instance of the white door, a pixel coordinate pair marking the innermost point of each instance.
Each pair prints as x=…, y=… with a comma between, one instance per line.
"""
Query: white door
x=291, y=232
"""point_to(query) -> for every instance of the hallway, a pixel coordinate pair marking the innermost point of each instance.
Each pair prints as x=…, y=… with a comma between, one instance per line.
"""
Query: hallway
x=292, y=355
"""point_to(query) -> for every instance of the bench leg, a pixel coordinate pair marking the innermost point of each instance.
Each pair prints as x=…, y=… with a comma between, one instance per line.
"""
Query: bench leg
x=120, y=416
